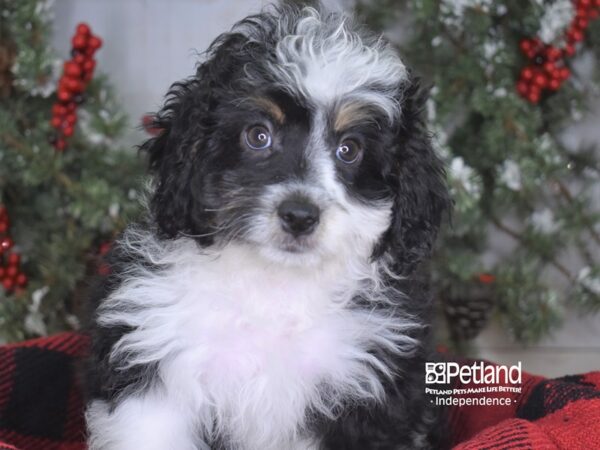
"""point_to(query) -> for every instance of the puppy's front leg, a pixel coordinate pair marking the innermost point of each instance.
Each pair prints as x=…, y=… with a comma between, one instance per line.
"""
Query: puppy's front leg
x=146, y=422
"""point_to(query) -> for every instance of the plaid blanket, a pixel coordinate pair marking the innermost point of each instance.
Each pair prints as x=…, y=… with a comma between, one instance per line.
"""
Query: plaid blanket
x=41, y=406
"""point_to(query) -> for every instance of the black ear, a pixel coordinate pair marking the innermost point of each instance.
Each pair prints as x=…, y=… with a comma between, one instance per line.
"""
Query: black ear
x=179, y=155
x=419, y=186
x=171, y=157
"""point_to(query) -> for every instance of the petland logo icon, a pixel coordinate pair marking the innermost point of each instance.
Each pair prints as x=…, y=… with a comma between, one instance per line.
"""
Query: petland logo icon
x=476, y=373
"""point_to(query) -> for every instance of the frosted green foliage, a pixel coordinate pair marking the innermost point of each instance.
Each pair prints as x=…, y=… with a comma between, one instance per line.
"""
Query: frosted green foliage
x=525, y=208
x=62, y=206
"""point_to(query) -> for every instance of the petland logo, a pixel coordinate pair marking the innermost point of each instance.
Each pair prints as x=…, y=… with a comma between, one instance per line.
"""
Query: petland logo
x=476, y=373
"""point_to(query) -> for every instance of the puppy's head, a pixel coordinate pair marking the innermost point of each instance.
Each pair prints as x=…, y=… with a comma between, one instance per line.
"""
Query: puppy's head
x=301, y=136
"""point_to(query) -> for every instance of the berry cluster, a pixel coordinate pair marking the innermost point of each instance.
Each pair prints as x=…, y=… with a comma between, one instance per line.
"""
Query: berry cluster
x=10, y=266
x=547, y=70
x=77, y=73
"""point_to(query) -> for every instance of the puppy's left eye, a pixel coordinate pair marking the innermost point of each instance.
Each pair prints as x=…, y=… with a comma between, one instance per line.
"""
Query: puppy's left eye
x=258, y=137
x=349, y=151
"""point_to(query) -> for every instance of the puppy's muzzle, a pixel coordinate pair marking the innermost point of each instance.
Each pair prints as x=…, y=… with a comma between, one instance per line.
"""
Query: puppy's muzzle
x=298, y=216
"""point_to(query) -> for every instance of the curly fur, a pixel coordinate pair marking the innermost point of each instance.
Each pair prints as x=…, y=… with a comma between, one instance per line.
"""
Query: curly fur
x=217, y=328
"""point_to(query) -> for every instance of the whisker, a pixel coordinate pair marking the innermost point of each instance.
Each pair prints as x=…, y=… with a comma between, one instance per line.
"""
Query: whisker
x=228, y=225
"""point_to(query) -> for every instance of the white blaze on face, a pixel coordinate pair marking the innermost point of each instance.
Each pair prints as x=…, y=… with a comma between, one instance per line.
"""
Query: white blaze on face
x=347, y=228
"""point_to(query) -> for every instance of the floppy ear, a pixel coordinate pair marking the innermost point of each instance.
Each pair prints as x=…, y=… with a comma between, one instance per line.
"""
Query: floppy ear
x=178, y=155
x=171, y=157
x=419, y=186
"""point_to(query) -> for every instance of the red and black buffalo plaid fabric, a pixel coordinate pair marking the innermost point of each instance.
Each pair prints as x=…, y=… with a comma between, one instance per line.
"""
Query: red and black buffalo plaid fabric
x=41, y=406
x=40, y=395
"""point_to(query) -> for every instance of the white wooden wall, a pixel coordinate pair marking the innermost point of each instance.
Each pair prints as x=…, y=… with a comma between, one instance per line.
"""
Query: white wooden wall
x=149, y=44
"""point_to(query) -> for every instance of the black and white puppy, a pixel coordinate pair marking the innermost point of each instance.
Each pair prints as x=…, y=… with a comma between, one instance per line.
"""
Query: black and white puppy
x=275, y=299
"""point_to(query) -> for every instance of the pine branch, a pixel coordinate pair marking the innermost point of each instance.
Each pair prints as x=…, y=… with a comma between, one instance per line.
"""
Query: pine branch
x=15, y=143
x=566, y=193
x=517, y=236
x=62, y=178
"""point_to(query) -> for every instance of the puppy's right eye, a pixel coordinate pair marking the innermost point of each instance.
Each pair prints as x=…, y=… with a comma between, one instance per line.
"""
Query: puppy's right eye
x=258, y=137
x=349, y=151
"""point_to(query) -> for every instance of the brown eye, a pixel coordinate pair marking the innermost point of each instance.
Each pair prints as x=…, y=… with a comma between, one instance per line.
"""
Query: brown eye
x=349, y=151
x=258, y=137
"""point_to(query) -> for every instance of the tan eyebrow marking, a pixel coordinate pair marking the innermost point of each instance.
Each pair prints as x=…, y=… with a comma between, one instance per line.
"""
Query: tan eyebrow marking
x=271, y=107
x=350, y=113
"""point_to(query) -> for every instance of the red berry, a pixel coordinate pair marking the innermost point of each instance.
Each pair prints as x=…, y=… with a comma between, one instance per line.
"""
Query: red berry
x=14, y=259
x=89, y=65
x=526, y=45
x=565, y=73
x=74, y=85
x=68, y=131
x=552, y=53
x=574, y=35
x=569, y=49
x=71, y=119
x=72, y=69
x=79, y=42
x=486, y=278
x=555, y=74
x=83, y=29
x=21, y=279
x=71, y=106
x=63, y=95
x=3, y=227
x=63, y=83
x=105, y=248
x=554, y=84
x=540, y=80
x=12, y=271
x=6, y=243
x=60, y=145
x=530, y=45
x=527, y=73
x=95, y=42
x=594, y=13
x=58, y=109
x=8, y=283
x=522, y=88
x=56, y=122
x=79, y=58
x=2, y=272
x=549, y=67
x=582, y=23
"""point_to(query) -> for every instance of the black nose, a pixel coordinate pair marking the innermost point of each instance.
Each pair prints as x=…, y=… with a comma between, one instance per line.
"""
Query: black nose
x=298, y=217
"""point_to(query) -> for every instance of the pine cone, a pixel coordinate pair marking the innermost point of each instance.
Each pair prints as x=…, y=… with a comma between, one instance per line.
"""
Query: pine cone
x=467, y=312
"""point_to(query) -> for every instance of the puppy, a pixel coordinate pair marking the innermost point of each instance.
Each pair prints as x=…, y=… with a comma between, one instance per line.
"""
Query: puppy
x=275, y=298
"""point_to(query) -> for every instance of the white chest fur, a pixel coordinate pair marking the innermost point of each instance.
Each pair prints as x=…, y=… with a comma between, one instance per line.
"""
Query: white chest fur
x=250, y=348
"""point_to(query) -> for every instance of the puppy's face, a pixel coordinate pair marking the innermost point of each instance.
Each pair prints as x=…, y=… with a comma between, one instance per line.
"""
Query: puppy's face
x=299, y=137
x=299, y=182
